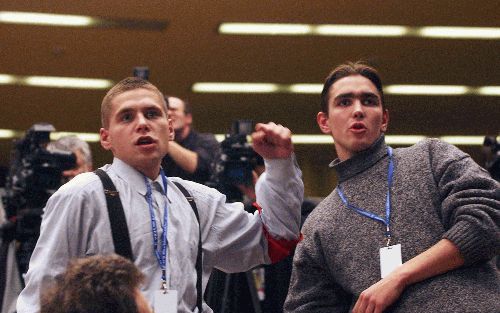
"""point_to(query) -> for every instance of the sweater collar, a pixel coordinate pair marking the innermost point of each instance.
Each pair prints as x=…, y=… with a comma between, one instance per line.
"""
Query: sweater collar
x=360, y=161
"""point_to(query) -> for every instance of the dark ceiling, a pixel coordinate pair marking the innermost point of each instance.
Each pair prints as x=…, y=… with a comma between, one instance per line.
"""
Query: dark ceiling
x=190, y=50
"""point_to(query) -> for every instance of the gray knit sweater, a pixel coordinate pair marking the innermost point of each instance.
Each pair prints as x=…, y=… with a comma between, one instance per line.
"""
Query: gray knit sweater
x=438, y=192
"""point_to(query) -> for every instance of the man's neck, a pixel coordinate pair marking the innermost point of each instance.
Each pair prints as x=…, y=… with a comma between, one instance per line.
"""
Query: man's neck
x=152, y=171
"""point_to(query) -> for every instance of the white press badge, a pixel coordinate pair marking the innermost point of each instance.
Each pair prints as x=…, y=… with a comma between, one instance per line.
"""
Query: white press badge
x=390, y=259
x=165, y=301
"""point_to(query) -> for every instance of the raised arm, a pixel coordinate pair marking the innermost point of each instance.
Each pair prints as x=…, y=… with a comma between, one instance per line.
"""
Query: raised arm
x=280, y=189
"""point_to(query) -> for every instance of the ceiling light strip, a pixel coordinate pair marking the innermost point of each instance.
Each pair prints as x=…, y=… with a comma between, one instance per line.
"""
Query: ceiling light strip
x=89, y=137
x=33, y=18
x=284, y=29
x=426, y=90
x=56, y=81
x=438, y=90
x=235, y=88
x=299, y=139
x=45, y=19
x=67, y=82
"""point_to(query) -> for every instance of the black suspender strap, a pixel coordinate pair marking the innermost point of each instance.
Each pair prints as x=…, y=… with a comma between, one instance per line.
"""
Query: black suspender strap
x=119, y=229
x=199, y=258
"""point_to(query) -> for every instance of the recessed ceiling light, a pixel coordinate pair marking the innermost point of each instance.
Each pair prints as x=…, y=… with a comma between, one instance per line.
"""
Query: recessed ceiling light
x=6, y=79
x=460, y=32
x=284, y=29
x=402, y=140
x=361, y=30
x=438, y=90
x=306, y=88
x=489, y=91
x=56, y=81
x=89, y=137
x=424, y=90
x=46, y=19
x=235, y=88
x=67, y=82
x=264, y=29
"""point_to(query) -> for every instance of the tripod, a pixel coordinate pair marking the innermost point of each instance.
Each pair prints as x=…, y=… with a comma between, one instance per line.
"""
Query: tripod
x=229, y=293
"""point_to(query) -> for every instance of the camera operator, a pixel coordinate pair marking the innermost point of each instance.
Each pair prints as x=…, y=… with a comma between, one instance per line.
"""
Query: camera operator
x=38, y=168
x=191, y=154
x=81, y=150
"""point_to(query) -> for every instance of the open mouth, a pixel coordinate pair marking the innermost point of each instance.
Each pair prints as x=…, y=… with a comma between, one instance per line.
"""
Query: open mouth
x=144, y=141
x=358, y=126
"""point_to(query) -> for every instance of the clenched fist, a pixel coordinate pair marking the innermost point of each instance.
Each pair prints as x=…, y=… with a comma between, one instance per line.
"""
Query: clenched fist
x=272, y=141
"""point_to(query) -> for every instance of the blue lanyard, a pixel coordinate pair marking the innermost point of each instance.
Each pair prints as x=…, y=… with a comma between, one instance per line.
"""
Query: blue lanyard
x=161, y=257
x=368, y=214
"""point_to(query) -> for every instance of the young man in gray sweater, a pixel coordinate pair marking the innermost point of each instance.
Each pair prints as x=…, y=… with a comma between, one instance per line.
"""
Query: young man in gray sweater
x=406, y=230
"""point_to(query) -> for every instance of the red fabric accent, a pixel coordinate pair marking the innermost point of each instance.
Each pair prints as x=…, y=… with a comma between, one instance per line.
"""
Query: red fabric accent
x=278, y=249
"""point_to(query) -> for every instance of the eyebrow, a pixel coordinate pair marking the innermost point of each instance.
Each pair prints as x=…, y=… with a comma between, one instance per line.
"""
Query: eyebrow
x=353, y=95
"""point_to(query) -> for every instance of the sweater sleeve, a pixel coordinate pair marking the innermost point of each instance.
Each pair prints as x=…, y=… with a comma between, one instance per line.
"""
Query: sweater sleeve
x=312, y=287
x=470, y=202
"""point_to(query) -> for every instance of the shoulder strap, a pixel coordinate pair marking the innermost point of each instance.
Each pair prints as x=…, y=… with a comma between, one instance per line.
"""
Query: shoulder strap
x=119, y=229
x=199, y=258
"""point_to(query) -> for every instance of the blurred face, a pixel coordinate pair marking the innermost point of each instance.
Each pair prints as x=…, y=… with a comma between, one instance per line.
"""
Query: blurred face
x=355, y=117
x=81, y=166
x=139, y=130
x=180, y=120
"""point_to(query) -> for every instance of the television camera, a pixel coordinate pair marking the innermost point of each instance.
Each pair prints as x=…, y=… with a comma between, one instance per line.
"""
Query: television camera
x=236, y=162
x=34, y=175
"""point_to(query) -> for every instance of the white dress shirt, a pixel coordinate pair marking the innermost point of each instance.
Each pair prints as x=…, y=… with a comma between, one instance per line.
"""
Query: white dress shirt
x=76, y=224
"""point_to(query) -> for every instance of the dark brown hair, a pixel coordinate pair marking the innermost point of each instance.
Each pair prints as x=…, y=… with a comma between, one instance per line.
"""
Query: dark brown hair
x=127, y=84
x=94, y=284
x=349, y=69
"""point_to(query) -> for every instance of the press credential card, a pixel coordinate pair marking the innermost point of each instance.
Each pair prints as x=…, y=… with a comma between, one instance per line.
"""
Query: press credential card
x=390, y=259
x=165, y=302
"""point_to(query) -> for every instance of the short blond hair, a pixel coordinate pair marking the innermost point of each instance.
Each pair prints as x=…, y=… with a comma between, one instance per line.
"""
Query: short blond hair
x=127, y=84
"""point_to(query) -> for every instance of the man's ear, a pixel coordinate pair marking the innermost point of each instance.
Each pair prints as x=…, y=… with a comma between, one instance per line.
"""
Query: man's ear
x=322, y=119
x=105, y=139
x=171, y=132
x=385, y=121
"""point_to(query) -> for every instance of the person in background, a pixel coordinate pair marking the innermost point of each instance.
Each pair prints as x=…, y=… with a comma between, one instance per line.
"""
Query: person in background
x=412, y=229
x=96, y=284
x=13, y=281
x=191, y=154
x=81, y=150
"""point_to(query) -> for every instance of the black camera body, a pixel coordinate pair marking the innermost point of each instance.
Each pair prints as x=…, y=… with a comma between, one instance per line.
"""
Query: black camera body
x=237, y=160
x=34, y=175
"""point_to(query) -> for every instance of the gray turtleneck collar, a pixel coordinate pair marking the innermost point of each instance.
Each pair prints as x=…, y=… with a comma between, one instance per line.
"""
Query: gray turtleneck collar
x=360, y=161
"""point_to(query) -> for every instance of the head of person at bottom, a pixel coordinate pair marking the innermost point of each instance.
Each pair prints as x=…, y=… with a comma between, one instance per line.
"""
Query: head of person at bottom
x=352, y=108
x=96, y=284
x=135, y=125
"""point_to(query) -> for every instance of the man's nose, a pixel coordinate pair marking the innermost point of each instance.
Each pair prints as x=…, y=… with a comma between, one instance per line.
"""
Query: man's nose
x=358, y=110
x=142, y=122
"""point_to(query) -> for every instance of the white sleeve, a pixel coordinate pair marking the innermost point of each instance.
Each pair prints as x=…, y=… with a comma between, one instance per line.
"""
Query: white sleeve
x=280, y=192
x=60, y=239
